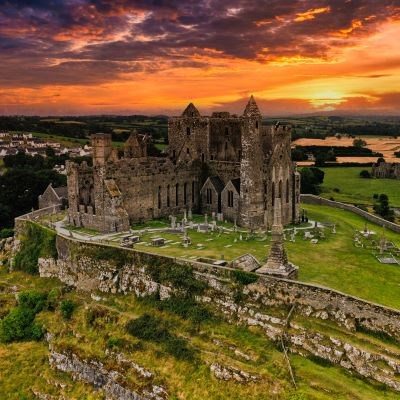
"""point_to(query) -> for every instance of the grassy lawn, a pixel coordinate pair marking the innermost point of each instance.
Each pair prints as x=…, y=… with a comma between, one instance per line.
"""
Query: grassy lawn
x=183, y=379
x=333, y=262
x=353, y=189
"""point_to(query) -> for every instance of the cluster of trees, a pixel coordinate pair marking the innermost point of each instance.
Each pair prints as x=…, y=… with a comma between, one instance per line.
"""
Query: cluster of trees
x=83, y=127
x=323, y=154
x=311, y=180
x=26, y=177
x=371, y=128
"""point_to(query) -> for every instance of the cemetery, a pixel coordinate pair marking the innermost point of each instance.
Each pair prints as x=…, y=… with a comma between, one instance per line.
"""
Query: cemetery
x=328, y=248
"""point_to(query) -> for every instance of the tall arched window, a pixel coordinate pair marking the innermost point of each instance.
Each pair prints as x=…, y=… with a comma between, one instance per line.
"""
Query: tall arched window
x=280, y=190
x=273, y=193
x=187, y=131
x=287, y=190
x=185, y=193
x=177, y=194
x=168, y=202
x=193, y=188
x=159, y=197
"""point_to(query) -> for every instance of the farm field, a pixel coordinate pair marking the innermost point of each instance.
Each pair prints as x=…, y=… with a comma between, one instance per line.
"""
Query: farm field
x=353, y=189
x=385, y=145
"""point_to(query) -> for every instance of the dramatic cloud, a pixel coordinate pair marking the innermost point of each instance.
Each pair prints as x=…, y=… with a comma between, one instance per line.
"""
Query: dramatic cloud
x=106, y=47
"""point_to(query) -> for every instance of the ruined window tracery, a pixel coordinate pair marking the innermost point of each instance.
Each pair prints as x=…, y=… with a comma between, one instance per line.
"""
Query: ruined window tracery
x=273, y=193
x=287, y=190
x=209, y=196
x=230, y=198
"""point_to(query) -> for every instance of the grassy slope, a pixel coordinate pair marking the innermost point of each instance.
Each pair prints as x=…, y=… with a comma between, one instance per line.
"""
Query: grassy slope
x=354, y=189
x=20, y=362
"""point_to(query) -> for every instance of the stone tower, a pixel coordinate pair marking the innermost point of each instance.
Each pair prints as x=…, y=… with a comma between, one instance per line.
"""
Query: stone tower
x=277, y=262
x=251, y=194
x=102, y=148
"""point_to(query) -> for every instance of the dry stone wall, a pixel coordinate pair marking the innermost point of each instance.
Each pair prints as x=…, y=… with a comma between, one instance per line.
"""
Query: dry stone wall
x=312, y=199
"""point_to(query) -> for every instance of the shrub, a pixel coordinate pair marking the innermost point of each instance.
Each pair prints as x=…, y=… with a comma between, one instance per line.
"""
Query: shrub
x=67, y=308
x=117, y=256
x=244, y=277
x=38, y=242
x=6, y=233
x=32, y=300
x=365, y=174
x=179, y=276
x=19, y=325
x=52, y=299
x=178, y=348
x=148, y=327
x=238, y=296
x=186, y=308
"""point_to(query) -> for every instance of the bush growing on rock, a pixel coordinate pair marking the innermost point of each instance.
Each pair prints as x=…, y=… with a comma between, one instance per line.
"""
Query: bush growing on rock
x=244, y=277
x=154, y=329
x=67, y=308
x=38, y=242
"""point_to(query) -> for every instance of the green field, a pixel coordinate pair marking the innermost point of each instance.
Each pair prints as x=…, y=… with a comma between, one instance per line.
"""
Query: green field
x=356, y=190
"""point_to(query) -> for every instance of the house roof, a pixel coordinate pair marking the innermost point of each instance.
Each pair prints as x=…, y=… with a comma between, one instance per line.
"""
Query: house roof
x=191, y=111
x=236, y=184
x=217, y=183
x=61, y=191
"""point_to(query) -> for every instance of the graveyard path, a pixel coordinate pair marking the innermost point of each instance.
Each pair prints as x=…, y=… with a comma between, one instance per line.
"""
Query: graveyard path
x=59, y=227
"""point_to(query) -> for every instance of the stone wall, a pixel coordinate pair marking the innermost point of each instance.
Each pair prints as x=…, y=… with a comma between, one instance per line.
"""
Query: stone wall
x=19, y=222
x=312, y=199
x=88, y=273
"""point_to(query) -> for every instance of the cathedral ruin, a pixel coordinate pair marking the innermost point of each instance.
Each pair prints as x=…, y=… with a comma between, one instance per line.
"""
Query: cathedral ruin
x=225, y=164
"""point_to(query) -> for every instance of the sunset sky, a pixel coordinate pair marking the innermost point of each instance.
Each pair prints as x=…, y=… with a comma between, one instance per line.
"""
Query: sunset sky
x=61, y=57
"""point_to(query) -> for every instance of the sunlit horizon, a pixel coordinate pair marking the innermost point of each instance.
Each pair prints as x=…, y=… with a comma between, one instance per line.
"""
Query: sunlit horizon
x=124, y=58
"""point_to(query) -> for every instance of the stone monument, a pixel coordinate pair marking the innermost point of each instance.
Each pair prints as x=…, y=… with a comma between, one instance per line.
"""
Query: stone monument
x=277, y=262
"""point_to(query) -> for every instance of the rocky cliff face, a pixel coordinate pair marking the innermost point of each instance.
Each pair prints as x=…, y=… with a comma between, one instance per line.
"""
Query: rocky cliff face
x=109, y=381
x=257, y=307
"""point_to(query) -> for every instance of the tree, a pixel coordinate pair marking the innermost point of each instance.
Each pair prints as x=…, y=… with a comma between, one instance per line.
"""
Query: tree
x=380, y=160
x=359, y=143
x=365, y=174
x=311, y=179
x=382, y=207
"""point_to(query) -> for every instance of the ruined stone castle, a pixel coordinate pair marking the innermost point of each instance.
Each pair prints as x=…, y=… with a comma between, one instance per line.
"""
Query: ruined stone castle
x=225, y=164
x=386, y=170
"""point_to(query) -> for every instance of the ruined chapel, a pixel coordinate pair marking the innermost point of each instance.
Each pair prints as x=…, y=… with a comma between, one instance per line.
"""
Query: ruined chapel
x=233, y=166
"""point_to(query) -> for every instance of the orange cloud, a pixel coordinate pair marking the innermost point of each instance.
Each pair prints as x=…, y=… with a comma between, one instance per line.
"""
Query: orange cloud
x=112, y=58
x=310, y=14
x=346, y=32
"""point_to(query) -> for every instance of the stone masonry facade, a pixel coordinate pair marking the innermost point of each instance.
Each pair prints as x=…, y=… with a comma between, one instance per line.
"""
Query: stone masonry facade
x=386, y=170
x=223, y=164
